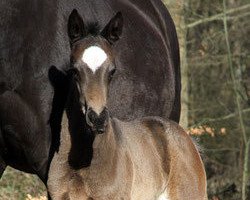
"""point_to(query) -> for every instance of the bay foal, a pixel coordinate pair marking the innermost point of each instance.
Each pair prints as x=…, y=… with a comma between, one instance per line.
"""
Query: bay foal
x=103, y=158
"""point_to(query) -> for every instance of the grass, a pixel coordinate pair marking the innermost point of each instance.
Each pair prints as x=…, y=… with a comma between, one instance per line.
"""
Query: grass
x=16, y=185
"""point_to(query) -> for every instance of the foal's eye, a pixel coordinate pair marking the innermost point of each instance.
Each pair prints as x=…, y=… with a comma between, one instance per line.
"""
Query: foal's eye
x=111, y=73
x=74, y=73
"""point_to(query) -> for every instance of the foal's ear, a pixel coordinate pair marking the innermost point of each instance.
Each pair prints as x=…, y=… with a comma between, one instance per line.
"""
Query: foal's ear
x=76, y=29
x=113, y=30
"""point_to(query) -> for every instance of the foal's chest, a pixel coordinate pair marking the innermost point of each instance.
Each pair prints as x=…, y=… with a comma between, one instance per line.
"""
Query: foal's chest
x=98, y=186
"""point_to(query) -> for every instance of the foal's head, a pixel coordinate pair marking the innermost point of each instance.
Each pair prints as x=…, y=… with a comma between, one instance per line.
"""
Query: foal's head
x=92, y=63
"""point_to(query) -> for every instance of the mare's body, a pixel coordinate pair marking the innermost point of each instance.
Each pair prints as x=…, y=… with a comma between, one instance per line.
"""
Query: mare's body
x=33, y=38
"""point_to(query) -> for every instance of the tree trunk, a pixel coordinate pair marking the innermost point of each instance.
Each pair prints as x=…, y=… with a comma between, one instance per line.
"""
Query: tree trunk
x=176, y=9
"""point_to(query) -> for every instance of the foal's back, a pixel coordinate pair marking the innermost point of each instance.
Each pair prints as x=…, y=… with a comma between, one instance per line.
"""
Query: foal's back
x=165, y=160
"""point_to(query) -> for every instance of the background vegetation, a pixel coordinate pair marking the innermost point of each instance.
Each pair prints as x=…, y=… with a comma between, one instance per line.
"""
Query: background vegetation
x=215, y=50
x=215, y=61
x=16, y=185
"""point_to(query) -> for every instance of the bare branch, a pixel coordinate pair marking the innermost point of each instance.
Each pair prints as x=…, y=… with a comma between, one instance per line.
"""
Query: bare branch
x=218, y=16
x=226, y=117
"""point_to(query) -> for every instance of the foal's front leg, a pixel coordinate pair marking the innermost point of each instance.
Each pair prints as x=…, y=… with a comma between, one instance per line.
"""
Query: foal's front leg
x=59, y=195
x=58, y=180
x=77, y=189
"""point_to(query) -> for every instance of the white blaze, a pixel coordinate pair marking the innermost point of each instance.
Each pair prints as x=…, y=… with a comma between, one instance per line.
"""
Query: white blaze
x=94, y=57
x=163, y=197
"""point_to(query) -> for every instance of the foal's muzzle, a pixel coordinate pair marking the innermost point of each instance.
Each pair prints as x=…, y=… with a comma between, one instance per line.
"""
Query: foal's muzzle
x=97, y=122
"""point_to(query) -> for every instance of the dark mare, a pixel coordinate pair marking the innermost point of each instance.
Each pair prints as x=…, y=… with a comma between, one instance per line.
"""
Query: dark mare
x=33, y=38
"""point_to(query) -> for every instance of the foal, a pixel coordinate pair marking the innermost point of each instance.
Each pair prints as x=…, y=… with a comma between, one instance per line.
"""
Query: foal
x=146, y=159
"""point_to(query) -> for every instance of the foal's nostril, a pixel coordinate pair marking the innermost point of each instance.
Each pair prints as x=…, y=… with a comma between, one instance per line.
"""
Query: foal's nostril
x=100, y=130
x=91, y=116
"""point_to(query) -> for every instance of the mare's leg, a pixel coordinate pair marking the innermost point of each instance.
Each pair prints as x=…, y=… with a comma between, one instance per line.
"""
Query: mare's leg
x=25, y=134
x=2, y=145
x=2, y=152
x=2, y=166
x=48, y=196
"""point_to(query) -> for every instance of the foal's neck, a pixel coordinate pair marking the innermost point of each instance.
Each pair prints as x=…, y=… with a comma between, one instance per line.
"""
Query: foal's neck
x=87, y=149
x=105, y=147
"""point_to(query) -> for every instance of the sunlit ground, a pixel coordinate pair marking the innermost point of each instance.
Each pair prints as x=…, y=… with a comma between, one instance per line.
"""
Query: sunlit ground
x=15, y=185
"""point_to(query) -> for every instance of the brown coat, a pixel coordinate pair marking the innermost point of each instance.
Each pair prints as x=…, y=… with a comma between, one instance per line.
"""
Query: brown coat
x=146, y=159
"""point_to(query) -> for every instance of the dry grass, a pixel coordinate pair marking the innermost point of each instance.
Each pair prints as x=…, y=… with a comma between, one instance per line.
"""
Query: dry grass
x=16, y=185
x=29, y=197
